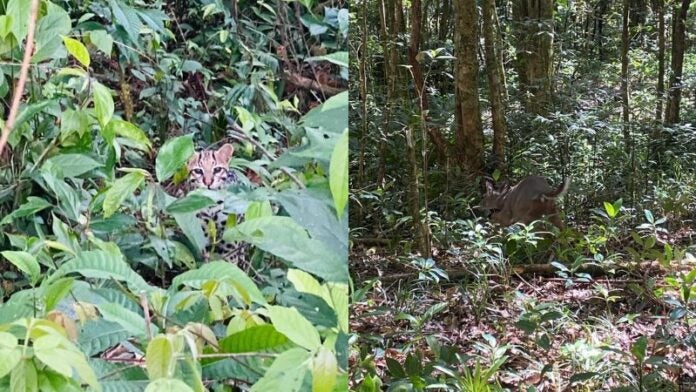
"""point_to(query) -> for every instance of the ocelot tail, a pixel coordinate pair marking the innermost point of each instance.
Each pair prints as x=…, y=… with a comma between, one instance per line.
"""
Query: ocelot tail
x=209, y=169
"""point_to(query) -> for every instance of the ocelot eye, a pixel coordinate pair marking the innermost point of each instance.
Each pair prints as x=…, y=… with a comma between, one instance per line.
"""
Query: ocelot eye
x=197, y=171
x=217, y=170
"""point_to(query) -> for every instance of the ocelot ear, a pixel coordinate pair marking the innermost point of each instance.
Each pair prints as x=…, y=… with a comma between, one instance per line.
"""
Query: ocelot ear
x=224, y=153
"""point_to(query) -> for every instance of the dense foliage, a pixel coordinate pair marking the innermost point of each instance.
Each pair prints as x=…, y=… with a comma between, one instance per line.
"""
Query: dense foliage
x=607, y=303
x=104, y=280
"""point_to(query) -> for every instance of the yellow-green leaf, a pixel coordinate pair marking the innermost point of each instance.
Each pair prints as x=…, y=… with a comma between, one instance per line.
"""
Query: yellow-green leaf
x=324, y=371
x=120, y=190
x=78, y=50
x=295, y=326
x=160, y=357
x=338, y=174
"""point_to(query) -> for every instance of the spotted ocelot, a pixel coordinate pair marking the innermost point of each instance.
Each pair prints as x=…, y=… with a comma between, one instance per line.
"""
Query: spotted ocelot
x=209, y=169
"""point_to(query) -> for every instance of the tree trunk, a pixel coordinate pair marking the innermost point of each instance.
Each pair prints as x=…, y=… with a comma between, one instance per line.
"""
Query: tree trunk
x=469, y=133
x=678, y=46
x=625, y=109
x=362, y=82
x=494, y=71
x=535, y=28
x=660, y=59
x=419, y=227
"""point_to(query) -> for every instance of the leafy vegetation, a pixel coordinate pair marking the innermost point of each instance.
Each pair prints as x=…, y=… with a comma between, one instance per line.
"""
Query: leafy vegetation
x=448, y=93
x=104, y=281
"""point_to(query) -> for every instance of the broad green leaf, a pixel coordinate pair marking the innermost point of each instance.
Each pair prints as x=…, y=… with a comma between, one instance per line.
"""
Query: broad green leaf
x=72, y=165
x=74, y=121
x=102, y=40
x=99, y=335
x=246, y=118
x=258, y=209
x=168, y=385
x=29, y=111
x=55, y=291
x=338, y=174
x=31, y=207
x=18, y=11
x=287, y=372
x=283, y=237
x=338, y=58
x=23, y=377
x=120, y=191
x=609, y=208
x=5, y=25
x=305, y=283
x=173, y=155
x=103, y=104
x=131, y=321
x=49, y=30
x=160, y=358
x=292, y=324
x=254, y=339
x=78, y=50
x=128, y=19
x=332, y=115
x=10, y=353
x=25, y=262
x=324, y=371
x=222, y=271
x=313, y=209
x=190, y=203
x=134, y=135
x=98, y=264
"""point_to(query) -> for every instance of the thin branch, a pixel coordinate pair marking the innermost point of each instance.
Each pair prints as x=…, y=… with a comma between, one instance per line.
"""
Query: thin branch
x=19, y=88
x=239, y=135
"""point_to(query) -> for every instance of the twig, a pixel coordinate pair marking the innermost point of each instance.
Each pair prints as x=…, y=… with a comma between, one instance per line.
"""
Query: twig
x=239, y=135
x=146, y=312
x=19, y=88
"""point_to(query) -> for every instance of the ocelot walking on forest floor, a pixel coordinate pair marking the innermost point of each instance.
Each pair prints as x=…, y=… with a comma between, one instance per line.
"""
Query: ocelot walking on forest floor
x=209, y=169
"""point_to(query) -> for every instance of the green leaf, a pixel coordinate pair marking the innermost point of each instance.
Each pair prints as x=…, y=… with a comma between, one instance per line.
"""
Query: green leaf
x=134, y=135
x=173, y=155
x=131, y=321
x=24, y=378
x=324, y=371
x=25, y=262
x=99, y=335
x=168, y=385
x=338, y=58
x=103, y=104
x=332, y=115
x=31, y=207
x=639, y=349
x=120, y=190
x=609, y=208
x=286, y=374
x=49, y=30
x=10, y=353
x=77, y=50
x=338, y=174
x=160, y=359
x=55, y=291
x=18, y=11
x=99, y=264
x=59, y=354
x=283, y=237
x=190, y=203
x=102, y=40
x=74, y=121
x=72, y=165
x=254, y=339
x=292, y=324
x=224, y=272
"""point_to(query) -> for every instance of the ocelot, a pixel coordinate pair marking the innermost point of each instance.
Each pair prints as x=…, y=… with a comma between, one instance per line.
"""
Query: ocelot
x=209, y=169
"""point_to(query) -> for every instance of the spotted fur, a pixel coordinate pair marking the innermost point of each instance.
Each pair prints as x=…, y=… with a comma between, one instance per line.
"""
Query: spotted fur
x=209, y=169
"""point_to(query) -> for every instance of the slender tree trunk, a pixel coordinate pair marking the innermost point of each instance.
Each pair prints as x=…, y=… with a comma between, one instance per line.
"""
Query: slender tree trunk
x=660, y=59
x=678, y=47
x=535, y=30
x=419, y=227
x=414, y=48
x=625, y=108
x=363, y=102
x=494, y=71
x=387, y=33
x=469, y=132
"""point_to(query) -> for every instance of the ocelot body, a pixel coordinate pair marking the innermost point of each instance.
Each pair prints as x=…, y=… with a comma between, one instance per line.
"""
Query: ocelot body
x=209, y=169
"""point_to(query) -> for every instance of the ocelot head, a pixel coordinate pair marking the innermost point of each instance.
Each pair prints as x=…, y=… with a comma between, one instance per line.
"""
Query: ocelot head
x=210, y=168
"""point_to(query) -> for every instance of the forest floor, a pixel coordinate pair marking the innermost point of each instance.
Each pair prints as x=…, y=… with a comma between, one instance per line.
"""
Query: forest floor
x=557, y=333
